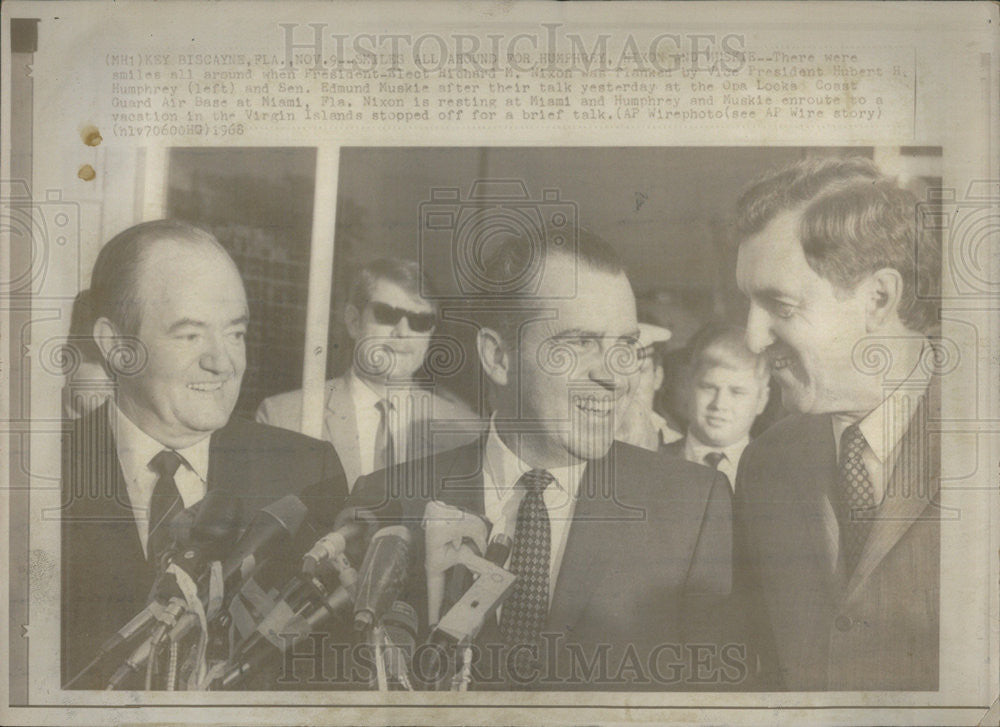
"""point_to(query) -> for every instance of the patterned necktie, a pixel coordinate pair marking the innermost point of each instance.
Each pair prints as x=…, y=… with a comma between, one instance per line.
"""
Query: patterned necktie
x=525, y=610
x=712, y=459
x=857, y=496
x=166, y=500
x=385, y=450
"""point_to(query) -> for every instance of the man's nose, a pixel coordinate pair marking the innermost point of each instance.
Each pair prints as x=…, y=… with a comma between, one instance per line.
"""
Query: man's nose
x=402, y=327
x=215, y=357
x=611, y=368
x=758, y=336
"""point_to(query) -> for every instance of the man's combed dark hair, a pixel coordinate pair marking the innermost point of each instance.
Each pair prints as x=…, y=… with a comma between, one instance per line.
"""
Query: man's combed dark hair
x=513, y=255
x=114, y=283
x=855, y=220
x=407, y=274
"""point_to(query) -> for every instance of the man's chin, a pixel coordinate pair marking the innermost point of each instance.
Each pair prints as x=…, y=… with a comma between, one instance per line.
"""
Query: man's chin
x=207, y=423
x=797, y=399
x=591, y=449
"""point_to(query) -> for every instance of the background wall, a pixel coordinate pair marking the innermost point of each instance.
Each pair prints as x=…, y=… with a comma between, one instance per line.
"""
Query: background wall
x=259, y=204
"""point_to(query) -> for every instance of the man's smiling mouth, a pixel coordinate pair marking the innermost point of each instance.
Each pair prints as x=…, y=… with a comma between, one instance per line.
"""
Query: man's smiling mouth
x=206, y=387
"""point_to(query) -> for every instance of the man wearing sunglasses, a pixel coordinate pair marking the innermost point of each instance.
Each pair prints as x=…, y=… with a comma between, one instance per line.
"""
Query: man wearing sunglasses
x=377, y=414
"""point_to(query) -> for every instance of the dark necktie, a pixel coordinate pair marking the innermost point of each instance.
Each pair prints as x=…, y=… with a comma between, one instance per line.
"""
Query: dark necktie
x=525, y=610
x=164, y=503
x=857, y=496
x=712, y=459
x=385, y=450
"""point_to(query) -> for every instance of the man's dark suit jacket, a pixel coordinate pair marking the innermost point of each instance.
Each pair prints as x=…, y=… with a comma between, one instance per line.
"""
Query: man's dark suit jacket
x=106, y=579
x=675, y=448
x=815, y=630
x=645, y=574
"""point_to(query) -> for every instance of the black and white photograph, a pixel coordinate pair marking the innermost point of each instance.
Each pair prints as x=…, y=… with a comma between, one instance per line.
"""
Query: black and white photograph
x=343, y=361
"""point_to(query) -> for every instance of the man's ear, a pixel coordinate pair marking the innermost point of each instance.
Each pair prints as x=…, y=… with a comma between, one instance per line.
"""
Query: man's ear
x=106, y=336
x=658, y=375
x=119, y=353
x=493, y=356
x=884, y=290
x=352, y=320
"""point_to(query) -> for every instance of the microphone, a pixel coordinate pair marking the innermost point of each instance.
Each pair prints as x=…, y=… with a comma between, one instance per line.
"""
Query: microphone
x=463, y=621
x=383, y=574
x=399, y=627
x=290, y=612
x=447, y=530
x=201, y=531
x=492, y=584
x=273, y=527
x=291, y=617
x=305, y=604
x=199, y=539
x=352, y=523
x=498, y=551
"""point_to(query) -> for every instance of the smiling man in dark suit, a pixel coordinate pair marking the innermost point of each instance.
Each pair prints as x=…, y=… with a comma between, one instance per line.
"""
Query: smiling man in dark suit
x=837, y=517
x=170, y=318
x=622, y=555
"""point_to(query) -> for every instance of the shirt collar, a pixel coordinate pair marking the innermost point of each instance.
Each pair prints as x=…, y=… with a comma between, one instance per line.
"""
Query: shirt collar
x=363, y=394
x=505, y=468
x=884, y=426
x=695, y=449
x=136, y=448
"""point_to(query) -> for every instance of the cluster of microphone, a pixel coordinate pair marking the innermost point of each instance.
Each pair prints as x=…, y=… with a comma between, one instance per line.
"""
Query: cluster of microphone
x=228, y=601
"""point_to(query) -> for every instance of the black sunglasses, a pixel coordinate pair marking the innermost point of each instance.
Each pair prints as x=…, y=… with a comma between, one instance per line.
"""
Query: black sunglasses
x=388, y=315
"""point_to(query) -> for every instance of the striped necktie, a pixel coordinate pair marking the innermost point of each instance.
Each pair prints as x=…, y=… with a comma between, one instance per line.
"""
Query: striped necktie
x=165, y=502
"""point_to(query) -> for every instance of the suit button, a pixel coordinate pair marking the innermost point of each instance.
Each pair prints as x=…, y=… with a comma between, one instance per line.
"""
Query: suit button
x=843, y=623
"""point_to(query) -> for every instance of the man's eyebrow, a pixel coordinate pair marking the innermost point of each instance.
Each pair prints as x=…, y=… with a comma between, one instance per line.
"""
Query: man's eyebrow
x=585, y=333
x=577, y=332
x=184, y=323
x=240, y=321
x=773, y=294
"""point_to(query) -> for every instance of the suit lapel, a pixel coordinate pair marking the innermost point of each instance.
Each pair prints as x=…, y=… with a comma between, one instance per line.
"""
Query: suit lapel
x=584, y=559
x=911, y=488
x=111, y=505
x=458, y=480
x=340, y=427
x=798, y=540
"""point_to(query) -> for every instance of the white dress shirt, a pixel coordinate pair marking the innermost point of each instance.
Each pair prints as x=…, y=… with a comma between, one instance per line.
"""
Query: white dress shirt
x=135, y=451
x=884, y=426
x=695, y=451
x=368, y=416
x=501, y=471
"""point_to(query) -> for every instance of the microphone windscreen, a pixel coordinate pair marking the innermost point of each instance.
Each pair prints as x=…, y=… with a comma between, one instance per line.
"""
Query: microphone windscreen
x=289, y=512
x=402, y=618
x=181, y=528
x=322, y=504
x=383, y=574
x=217, y=523
x=400, y=626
